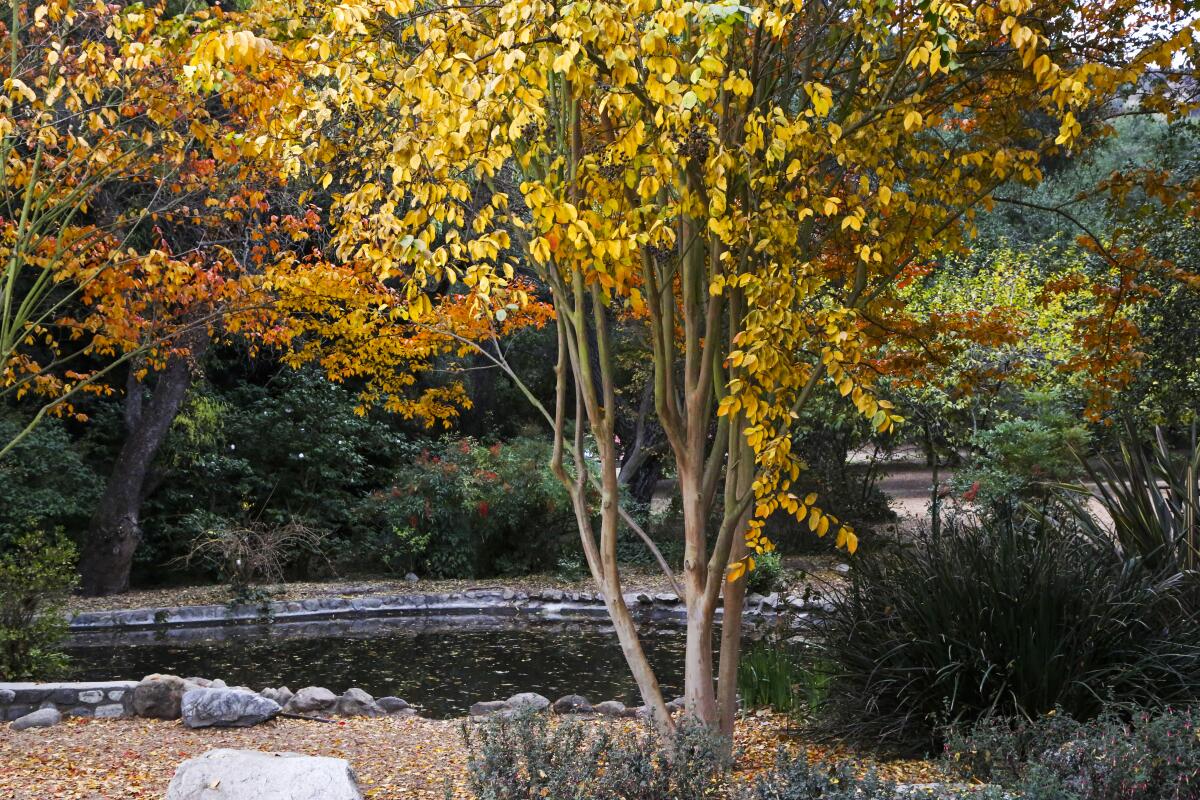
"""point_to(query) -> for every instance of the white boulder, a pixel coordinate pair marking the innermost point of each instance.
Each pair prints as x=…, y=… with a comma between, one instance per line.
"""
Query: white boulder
x=254, y=775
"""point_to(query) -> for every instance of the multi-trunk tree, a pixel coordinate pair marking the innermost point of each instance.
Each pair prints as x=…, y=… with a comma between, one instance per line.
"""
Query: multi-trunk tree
x=749, y=180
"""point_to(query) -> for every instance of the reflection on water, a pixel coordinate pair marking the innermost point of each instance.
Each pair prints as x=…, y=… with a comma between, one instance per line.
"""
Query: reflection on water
x=439, y=668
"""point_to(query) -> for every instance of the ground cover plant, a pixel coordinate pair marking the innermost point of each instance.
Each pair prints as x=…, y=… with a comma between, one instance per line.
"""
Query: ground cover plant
x=1123, y=754
x=531, y=755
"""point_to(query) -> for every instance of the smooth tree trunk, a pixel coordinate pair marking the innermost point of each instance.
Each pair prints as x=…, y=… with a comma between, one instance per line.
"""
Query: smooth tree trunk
x=115, y=529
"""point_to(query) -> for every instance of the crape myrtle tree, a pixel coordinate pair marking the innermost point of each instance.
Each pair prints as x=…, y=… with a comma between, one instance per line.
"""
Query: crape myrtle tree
x=748, y=181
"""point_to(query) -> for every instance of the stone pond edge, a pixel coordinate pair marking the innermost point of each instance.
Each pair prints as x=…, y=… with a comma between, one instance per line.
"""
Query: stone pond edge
x=550, y=605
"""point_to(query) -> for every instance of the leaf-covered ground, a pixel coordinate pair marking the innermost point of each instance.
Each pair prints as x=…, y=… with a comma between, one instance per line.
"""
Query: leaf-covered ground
x=412, y=758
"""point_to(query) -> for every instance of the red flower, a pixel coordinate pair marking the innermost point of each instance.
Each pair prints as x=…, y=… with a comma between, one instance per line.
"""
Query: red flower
x=483, y=508
x=970, y=494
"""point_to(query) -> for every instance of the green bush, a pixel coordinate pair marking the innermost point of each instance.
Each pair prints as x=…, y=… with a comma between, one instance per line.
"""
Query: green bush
x=531, y=757
x=1140, y=756
x=767, y=574
x=45, y=484
x=37, y=573
x=1022, y=459
x=794, y=777
x=464, y=509
x=1009, y=617
x=291, y=451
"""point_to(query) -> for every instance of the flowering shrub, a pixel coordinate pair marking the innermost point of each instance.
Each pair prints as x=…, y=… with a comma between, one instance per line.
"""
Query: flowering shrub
x=463, y=509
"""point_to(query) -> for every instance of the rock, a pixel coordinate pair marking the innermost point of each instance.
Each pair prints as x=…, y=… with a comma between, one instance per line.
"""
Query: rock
x=642, y=712
x=489, y=707
x=357, y=703
x=159, y=696
x=311, y=698
x=281, y=695
x=217, y=684
x=771, y=600
x=253, y=775
x=677, y=704
x=91, y=696
x=110, y=711
x=7, y=696
x=203, y=683
x=572, y=704
x=529, y=701
x=611, y=708
x=42, y=718
x=391, y=705
x=411, y=578
x=842, y=569
x=226, y=708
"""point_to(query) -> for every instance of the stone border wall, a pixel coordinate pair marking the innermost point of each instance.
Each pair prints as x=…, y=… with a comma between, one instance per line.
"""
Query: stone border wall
x=547, y=605
x=103, y=699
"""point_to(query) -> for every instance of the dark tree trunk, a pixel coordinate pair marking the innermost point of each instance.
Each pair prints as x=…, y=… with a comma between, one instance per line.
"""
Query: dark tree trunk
x=115, y=528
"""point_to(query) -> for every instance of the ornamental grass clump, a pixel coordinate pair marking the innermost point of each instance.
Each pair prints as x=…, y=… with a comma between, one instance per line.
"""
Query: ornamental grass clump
x=1008, y=617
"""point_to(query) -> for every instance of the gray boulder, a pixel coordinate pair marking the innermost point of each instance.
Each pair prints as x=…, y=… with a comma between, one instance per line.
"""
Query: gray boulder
x=310, y=699
x=357, y=703
x=411, y=578
x=7, y=696
x=531, y=701
x=489, y=707
x=392, y=705
x=611, y=708
x=281, y=695
x=160, y=696
x=252, y=775
x=226, y=708
x=572, y=704
x=42, y=718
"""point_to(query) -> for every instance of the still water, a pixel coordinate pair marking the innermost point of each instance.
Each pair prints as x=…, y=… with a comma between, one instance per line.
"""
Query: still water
x=439, y=666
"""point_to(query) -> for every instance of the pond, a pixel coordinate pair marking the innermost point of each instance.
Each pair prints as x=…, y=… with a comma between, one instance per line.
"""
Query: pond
x=439, y=666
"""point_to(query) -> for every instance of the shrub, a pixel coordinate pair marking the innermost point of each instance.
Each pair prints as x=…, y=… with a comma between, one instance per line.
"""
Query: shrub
x=464, y=509
x=794, y=777
x=530, y=756
x=36, y=574
x=1143, y=756
x=253, y=552
x=1019, y=460
x=44, y=482
x=767, y=574
x=1006, y=617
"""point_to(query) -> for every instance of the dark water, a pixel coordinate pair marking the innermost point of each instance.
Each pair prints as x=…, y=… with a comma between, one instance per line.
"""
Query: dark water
x=439, y=667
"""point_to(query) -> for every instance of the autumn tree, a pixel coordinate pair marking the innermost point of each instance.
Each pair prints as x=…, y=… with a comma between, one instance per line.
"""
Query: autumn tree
x=749, y=181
